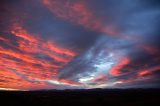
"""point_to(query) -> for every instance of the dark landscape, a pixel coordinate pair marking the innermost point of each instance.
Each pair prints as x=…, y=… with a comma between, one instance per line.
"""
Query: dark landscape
x=120, y=97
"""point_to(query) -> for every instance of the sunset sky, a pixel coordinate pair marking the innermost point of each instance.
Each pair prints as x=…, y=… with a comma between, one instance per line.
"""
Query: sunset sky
x=79, y=44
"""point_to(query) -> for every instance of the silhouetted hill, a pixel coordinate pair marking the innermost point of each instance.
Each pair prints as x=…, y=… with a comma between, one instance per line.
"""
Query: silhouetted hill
x=120, y=97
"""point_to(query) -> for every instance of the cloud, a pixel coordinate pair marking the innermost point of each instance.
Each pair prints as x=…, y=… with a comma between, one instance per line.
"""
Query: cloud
x=78, y=13
x=58, y=44
x=31, y=53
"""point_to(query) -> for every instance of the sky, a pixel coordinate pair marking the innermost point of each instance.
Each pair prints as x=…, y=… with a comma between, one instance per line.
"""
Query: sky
x=79, y=44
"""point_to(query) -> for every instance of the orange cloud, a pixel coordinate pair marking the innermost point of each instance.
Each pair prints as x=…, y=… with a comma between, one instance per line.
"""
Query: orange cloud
x=23, y=59
x=116, y=70
x=148, y=72
x=144, y=73
x=100, y=78
x=69, y=82
x=9, y=79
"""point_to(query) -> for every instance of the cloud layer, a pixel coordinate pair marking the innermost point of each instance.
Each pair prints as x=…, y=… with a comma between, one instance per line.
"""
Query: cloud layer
x=74, y=44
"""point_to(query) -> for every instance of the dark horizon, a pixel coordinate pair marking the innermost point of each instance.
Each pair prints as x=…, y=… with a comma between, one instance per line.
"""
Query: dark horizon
x=94, y=97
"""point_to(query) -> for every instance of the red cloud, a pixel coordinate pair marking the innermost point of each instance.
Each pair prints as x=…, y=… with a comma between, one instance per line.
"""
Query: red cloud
x=9, y=79
x=144, y=73
x=100, y=78
x=148, y=72
x=22, y=58
x=69, y=82
x=116, y=70
x=78, y=13
x=150, y=49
